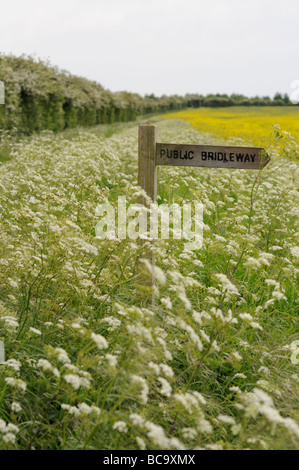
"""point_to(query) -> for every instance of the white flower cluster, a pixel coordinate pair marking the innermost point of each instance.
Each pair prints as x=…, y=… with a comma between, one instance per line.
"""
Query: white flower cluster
x=190, y=330
x=8, y=432
x=82, y=409
x=99, y=340
x=226, y=285
x=59, y=354
x=235, y=428
x=45, y=365
x=10, y=321
x=14, y=364
x=16, y=383
x=259, y=402
x=120, y=426
x=136, y=379
x=155, y=434
x=16, y=407
x=191, y=401
x=249, y=319
x=76, y=381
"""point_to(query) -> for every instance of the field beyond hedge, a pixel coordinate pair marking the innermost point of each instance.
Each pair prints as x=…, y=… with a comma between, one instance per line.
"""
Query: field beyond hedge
x=252, y=124
x=89, y=363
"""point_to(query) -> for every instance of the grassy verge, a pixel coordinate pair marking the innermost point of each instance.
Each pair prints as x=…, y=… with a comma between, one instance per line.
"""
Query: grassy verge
x=88, y=366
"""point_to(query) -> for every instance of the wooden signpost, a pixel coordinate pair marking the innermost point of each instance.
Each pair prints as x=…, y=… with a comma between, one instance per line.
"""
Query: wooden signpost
x=152, y=153
x=247, y=158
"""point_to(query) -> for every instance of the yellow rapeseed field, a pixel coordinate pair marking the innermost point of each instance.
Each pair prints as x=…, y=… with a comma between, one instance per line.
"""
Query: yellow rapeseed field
x=253, y=124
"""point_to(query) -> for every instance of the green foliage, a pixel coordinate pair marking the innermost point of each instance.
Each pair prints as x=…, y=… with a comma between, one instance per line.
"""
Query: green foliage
x=39, y=96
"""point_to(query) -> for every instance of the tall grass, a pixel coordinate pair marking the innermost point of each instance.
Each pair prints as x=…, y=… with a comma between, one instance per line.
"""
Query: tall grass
x=87, y=367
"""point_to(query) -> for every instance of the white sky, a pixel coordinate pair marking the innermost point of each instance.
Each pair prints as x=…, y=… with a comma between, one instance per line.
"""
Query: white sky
x=162, y=46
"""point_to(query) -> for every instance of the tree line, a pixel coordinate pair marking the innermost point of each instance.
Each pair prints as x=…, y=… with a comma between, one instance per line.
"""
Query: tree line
x=40, y=96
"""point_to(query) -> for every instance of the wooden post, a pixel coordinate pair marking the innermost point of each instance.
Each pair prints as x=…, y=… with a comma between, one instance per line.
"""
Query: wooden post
x=147, y=170
x=147, y=180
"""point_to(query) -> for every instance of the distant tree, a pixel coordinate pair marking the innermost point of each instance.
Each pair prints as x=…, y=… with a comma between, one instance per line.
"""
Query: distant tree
x=237, y=98
x=278, y=100
x=152, y=96
x=278, y=96
x=286, y=98
x=216, y=102
x=244, y=102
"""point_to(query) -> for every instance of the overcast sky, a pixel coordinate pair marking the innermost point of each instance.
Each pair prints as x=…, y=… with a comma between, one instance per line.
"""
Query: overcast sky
x=162, y=46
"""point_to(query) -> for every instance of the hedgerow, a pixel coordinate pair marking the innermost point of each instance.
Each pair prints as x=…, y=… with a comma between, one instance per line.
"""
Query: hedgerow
x=40, y=96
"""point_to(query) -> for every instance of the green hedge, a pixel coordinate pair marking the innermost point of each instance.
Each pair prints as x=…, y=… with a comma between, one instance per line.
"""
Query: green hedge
x=39, y=96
